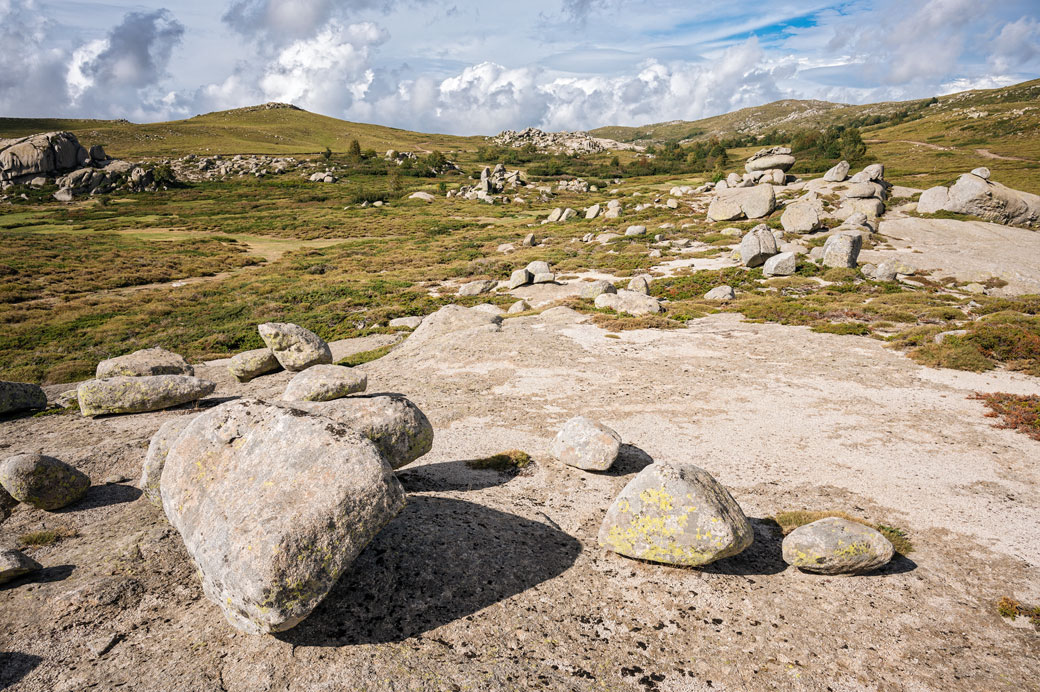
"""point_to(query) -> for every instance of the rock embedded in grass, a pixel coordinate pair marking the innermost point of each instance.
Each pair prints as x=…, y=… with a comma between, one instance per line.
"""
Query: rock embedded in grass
x=273, y=504
x=155, y=457
x=144, y=363
x=635, y=230
x=837, y=546
x=586, y=444
x=42, y=481
x=295, y=348
x=784, y=264
x=21, y=396
x=397, y=427
x=593, y=289
x=676, y=514
x=15, y=564
x=248, y=365
x=721, y=293
x=139, y=394
x=325, y=383
x=629, y=302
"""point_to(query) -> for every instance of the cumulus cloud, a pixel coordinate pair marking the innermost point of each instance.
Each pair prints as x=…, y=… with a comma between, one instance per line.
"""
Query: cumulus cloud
x=32, y=73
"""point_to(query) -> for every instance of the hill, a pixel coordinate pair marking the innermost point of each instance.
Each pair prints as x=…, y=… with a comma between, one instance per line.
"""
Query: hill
x=278, y=129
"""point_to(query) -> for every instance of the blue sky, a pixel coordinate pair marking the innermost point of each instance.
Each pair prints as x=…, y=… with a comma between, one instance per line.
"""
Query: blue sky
x=476, y=67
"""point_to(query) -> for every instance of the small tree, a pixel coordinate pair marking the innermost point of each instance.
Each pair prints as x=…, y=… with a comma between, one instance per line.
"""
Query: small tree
x=393, y=178
x=354, y=151
x=327, y=154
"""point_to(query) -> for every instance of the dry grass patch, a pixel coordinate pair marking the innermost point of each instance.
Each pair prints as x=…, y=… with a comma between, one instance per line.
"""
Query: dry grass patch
x=510, y=461
x=789, y=521
x=620, y=323
x=1011, y=609
x=46, y=536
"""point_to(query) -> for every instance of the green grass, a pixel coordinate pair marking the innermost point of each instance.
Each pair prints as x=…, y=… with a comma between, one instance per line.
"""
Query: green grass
x=507, y=462
x=45, y=537
x=1012, y=609
x=365, y=356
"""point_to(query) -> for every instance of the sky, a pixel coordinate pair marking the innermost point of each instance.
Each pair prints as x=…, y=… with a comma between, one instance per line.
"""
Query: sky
x=467, y=67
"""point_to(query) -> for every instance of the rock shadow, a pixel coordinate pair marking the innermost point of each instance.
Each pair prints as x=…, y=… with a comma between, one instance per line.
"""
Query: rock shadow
x=450, y=475
x=631, y=459
x=436, y=562
x=762, y=557
x=41, y=576
x=14, y=666
x=103, y=496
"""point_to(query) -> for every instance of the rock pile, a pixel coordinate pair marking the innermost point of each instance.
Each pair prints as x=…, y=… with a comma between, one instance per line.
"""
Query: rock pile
x=770, y=159
x=559, y=142
x=974, y=193
x=493, y=181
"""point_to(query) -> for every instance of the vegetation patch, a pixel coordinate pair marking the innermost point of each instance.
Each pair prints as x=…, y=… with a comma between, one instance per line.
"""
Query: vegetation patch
x=366, y=356
x=1016, y=412
x=789, y=521
x=47, y=536
x=619, y=323
x=511, y=461
x=1012, y=609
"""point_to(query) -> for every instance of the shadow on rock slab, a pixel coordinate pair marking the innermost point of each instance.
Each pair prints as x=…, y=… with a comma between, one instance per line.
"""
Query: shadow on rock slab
x=15, y=665
x=43, y=576
x=103, y=496
x=438, y=561
x=450, y=476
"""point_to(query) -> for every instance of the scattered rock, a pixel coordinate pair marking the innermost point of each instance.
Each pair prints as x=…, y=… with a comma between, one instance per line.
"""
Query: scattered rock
x=410, y=322
x=837, y=546
x=635, y=230
x=271, y=526
x=518, y=306
x=838, y=173
x=544, y=278
x=800, y=217
x=250, y=364
x=539, y=267
x=295, y=348
x=721, y=293
x=139, y=394
x=758, y=245
x=586, y=444
x=15, y=563
x=424, y=196
x=784, y=264
x=520, y=277
x=148, y=361
x=476, y=288
x=628, y=302
x=21, y=396
x=640, y=284
x=155, y=458
x=325, y=383
x=591, y=290
x=842, y=250
x=592, y=212
x=42, y=481
x=677, y=514
x=529, y=240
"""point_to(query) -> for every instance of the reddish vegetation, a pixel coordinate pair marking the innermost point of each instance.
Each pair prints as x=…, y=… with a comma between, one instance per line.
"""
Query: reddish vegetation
x=1016, y=412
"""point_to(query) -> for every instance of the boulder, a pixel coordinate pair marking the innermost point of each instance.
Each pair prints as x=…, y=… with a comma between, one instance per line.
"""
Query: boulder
x=591, y=290
x=750, y=202
x=476, y=288
x=784, y=264
x=155, y=457
x=424, y=196
x=518, y=306
x=410, y=322
x=842, y=250
x=774, y=157
x=993, y=202
x=325, y=383
x=757, y=245
x=721, y=293
x=586, y=444
x=981, y=172
x=800, y=217
x=933, y=199
x=397, y=427
x=875, y=171
x=635, y=230
x=295, y=348
x=529, y=240
x=148, y=361
x=539, y=267
x=43, y=154
x=42, y=481
x=273, y=504
x=863, y=191
x=250, y=364
x=555, y=215
x=592, y=212
x=568, y=214
x=139, y=394
x=836, y=546
x=21, y=396
x=14, y=564
x=518, y=278
x=677, y=514
x=640, y=284
x=628, y=302
x=544, y=278
x=838, y=173
x=672, y=204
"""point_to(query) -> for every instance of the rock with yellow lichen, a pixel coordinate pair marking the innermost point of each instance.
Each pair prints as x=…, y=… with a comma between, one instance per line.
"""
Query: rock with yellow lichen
x=273, y=503
x=837, y=546
x=677, y=514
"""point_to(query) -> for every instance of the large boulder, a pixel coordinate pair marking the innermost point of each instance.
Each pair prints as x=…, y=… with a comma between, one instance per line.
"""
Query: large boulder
x=325, y=383
x=21, y=396
x=837, y=546
x=139, y=394
x=774, y=157
x=42, y=481
x=933, y=199
x=273, y=504
x=838, y=173
x=746, y=202
x=155, y=457
x=586, y=444
x=148, y=361
x=397, y=427
x=628, y=302
x=758, y=245
x=40, y=155
x=250, y=364
x=992, y=201
x=676, y=514
x=295, y=348
x=15, y=563
x=520, y=277
x=800, y=217
x=842, y=250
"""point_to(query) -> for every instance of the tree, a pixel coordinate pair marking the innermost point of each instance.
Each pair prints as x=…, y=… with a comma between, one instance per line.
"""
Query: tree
x=851, y=146
x=354, y=151
x=327, y=154
x=393, y=178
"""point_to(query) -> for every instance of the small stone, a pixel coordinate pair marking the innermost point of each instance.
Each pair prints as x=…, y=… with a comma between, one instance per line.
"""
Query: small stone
x=672, y=204
x=635, y=230
x=676, y=514
x=784, y=264
x=975, y=287
x=591, y=290
x=837, y=546
x=295, y=348
x=592, y=211
x=251, y=364
x=149, y=361
x=529, y=240
x=586, y=444
x=721, y=293
x=42, y=481
x=325, y=383
x=842, y=250
x=15, y=564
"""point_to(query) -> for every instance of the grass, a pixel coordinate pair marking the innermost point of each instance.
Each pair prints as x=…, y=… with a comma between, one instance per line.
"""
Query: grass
x=366, y=356
x=1012, y=609
x=511, y=461
x=1015, y=411
x=789, y=521
x=44, y=537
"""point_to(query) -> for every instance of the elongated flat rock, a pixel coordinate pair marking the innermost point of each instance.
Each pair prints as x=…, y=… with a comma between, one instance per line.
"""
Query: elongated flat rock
x=837, y=546
x=148, y=361
x=139, y=394
x=325, y=383
x=273, y=503
x=676, y=514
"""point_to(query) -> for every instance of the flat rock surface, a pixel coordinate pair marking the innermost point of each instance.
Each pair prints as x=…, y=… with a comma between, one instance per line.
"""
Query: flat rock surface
x=489, y=581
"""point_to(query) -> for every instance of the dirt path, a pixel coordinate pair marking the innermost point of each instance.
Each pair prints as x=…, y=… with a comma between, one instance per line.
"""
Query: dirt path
x=987, y=154
x=984, y=153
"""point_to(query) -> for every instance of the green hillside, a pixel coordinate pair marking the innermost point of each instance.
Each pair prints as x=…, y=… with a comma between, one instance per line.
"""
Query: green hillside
x=270, y=129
